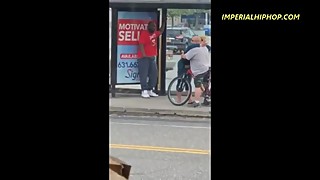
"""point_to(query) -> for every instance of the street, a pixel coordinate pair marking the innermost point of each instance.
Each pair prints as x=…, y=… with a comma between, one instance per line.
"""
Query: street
x=162, y=148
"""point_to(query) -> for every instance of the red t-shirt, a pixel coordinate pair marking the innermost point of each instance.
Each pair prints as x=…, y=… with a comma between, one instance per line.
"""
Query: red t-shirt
x=149, y=42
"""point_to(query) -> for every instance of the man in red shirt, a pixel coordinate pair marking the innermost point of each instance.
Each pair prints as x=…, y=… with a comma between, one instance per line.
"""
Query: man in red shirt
x=147, y=52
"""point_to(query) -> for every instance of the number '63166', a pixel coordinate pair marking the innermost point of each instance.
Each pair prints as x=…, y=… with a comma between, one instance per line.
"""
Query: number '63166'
x=128, y=65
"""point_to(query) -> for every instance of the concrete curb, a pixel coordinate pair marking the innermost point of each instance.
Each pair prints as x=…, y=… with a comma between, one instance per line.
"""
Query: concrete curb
x=157, y=112
x=137, y=92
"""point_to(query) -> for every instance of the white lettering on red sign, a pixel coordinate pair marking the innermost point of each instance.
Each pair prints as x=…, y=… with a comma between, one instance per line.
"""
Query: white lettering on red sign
x=128, y=56
x=129, y=30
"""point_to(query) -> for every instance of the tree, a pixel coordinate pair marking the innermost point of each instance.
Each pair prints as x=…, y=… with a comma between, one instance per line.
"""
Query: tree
x=172, y=13
x=197, y=13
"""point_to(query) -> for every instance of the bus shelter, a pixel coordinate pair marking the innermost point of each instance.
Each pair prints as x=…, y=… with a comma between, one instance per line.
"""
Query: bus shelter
x=130, y=16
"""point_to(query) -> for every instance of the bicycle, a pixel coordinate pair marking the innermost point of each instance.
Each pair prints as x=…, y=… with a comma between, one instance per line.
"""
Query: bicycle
x=184, y=86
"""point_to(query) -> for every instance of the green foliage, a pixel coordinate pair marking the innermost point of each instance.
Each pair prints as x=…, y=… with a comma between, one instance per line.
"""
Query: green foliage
x=179, y=12
x=175, y=12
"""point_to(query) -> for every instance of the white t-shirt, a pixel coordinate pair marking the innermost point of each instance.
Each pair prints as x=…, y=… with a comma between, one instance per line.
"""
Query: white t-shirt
x=199, y=60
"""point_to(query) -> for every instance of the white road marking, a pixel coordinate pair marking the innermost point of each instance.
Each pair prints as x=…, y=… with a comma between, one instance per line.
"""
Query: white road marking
x=157, y=125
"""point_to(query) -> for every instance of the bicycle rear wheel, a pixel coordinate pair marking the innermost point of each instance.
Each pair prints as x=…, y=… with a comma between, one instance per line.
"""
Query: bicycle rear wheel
x=179, y=91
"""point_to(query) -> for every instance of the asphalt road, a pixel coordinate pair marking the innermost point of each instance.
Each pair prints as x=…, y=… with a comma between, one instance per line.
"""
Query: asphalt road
x=162, y=148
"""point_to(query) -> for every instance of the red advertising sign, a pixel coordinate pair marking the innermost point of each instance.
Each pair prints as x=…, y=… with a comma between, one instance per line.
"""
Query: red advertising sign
x=129, y=30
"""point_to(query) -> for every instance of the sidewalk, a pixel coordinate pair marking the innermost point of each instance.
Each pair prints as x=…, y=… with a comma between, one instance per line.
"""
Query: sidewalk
x=134, y=104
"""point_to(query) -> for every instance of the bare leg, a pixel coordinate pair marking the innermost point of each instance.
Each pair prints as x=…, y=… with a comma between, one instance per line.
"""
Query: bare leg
x=197, y=94
x=179, y=97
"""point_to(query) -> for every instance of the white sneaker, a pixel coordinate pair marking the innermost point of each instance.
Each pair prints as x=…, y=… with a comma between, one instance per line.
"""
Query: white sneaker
x=145, y=94
x=152, y=94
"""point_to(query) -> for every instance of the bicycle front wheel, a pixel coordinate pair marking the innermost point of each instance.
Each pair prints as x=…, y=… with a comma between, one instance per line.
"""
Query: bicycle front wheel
x=179, y=91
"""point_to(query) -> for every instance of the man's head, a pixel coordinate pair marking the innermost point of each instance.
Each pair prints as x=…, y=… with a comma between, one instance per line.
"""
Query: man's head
x=151, y=27
x=196, y=40
x=203, y=38
x=203, y=41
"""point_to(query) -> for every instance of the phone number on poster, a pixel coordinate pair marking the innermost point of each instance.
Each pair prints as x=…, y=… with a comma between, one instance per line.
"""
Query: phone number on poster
x=128, y=65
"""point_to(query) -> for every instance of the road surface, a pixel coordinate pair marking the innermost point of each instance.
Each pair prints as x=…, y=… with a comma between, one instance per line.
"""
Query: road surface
x=162, y=148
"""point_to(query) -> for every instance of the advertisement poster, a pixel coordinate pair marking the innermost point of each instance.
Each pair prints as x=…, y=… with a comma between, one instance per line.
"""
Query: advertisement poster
x=129, y=26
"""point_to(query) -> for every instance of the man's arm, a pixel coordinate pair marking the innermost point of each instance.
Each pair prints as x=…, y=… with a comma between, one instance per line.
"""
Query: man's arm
x=191, y=47
x=189, y=55
x=163, y=25
x=197, y=45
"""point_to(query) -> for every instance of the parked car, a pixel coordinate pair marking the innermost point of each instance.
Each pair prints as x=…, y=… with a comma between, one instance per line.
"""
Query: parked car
x=178, y=38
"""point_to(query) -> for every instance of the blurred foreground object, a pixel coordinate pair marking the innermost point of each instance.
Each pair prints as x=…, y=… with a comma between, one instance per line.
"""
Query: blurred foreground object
x=118, y=170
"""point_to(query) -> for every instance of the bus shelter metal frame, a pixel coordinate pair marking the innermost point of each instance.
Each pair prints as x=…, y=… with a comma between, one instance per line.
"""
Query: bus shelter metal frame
x=162, y=54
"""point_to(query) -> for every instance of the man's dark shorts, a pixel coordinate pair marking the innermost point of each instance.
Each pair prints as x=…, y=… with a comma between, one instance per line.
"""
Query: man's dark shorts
x=201, y=79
